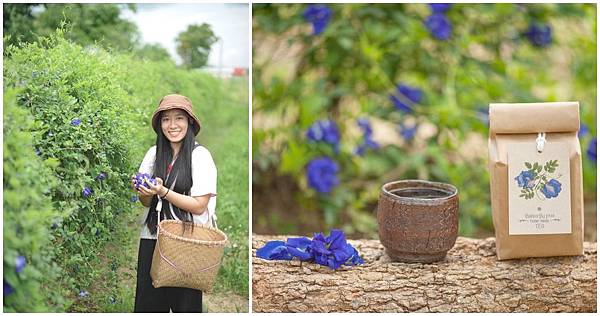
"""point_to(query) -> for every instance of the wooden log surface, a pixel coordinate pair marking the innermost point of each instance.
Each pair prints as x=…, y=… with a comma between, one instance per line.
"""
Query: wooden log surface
x=470, y=279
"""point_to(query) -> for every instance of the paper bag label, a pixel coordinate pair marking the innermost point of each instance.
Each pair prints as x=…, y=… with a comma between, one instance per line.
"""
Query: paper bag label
x=539, y=189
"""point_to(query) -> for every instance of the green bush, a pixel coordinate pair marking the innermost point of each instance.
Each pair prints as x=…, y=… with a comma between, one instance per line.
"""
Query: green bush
x=28, y=216
x=80, y=123
x=347, y=65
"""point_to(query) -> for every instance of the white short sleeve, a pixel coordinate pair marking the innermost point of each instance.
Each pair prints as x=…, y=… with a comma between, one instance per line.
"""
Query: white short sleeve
x=204, y=173
x=147, y=165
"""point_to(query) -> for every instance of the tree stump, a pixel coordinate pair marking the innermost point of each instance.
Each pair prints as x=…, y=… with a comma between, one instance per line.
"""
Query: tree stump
x=470, y=279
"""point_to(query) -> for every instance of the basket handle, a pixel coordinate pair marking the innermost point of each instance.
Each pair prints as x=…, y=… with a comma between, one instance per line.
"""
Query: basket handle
x=187, y=274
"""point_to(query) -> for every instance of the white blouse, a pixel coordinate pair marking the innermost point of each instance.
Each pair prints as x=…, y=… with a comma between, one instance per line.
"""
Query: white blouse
x=204, y=181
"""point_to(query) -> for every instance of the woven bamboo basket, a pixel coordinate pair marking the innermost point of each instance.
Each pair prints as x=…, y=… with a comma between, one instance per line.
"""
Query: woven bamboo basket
x=189, y=259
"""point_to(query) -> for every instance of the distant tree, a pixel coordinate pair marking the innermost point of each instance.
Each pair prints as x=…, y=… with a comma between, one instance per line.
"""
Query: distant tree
x=17, y=22
x=193, y=45
x=154, y=52
x=86, y=24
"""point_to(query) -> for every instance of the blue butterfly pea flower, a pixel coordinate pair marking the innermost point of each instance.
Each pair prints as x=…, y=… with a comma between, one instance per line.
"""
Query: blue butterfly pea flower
x=439, y=7
x=324, y=131
x=591, y=150
x=409, y=97
x=87, y=191
x=408, y=133
x=274, y=250
x=551, y=189
x=319, y=15
x=525, y=179
x=583, y=130
x=299, y=247
x=20, y=263
x=368, y=141
x=439, y=26
x=539, y=35
x=321, y=174
x=8, y=289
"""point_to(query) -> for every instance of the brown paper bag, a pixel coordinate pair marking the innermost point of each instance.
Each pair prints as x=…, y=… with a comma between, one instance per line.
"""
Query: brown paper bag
x=537, y=198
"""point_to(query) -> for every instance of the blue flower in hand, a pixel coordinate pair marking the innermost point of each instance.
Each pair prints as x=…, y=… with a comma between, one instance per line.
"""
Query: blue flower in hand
x=525, y=179
x=551, y=189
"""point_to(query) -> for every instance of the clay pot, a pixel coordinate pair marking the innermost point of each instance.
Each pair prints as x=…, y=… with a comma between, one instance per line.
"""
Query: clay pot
x=418, y=220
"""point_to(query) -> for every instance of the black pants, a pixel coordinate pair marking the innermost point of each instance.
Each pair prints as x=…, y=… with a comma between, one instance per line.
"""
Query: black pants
x=155, y=300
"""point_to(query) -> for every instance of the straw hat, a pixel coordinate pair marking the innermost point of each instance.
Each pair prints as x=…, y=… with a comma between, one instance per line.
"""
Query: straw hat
x=175, y=101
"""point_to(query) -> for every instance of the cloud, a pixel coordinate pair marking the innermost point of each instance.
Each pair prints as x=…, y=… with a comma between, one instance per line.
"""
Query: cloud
x=160, y=23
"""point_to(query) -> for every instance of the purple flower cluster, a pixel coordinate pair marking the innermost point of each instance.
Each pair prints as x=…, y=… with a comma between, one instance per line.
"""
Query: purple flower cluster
x=539, y=35
x=319, y=15
x=332, y=251
x=321, y=174
x=75, y=122
x=143, y=179
x=324, y=131
x=368, y=141
x=409, y=96
x=437, y=23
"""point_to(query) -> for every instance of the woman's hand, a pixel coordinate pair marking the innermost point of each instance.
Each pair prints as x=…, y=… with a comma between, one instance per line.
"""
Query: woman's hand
x=157, y=189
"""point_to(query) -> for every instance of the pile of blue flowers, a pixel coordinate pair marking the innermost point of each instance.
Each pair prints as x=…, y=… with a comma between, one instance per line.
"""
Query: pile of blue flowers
x=332, y=251
x=143, y=179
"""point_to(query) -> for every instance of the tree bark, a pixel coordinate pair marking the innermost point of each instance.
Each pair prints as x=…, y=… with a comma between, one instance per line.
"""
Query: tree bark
x=470, y=279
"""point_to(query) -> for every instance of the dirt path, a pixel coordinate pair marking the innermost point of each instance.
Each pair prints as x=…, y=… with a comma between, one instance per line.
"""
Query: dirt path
x=225, y=303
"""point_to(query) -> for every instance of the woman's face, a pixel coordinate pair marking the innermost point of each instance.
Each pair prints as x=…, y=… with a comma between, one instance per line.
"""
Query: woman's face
x=174, y=124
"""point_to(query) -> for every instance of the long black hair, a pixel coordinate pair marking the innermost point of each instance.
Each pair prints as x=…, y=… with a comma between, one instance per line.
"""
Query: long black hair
x=182, y=170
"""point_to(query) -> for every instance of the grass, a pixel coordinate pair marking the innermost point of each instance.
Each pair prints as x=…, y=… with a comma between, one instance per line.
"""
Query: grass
x=225, y=134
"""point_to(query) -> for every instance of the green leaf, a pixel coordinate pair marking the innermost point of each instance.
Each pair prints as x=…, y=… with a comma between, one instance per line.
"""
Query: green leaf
x=528, y=165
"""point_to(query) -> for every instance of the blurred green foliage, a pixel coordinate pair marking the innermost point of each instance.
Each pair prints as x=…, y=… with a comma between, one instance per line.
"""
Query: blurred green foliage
x=348, y=72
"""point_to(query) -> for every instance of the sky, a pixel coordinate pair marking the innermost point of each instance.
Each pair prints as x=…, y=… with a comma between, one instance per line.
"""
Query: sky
x=161, y=23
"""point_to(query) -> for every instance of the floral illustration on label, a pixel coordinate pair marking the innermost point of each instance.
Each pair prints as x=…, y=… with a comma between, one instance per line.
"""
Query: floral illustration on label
x=538, y=181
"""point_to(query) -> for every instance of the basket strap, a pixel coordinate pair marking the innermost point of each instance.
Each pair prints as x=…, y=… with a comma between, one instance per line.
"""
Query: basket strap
x=187, y=274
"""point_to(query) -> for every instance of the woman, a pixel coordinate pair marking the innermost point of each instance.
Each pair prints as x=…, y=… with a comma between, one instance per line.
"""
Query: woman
x=188, y=193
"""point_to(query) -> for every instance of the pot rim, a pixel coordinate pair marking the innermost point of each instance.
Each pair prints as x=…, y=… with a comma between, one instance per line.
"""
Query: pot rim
x=451, y=189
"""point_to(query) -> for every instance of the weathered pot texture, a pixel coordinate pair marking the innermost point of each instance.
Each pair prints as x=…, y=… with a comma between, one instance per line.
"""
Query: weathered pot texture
x=418, y=220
